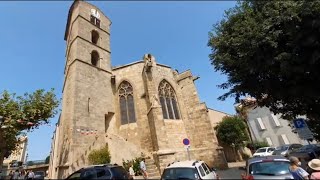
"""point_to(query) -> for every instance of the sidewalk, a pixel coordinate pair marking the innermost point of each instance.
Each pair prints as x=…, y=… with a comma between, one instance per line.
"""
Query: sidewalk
x=141, y=177
x=236, y=164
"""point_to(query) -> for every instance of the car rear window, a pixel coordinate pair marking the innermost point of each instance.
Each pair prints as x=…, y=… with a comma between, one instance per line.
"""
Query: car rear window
x=180, y=173
x=118, y=172
x=272, y=168
x=282, y=148
x=261, y=150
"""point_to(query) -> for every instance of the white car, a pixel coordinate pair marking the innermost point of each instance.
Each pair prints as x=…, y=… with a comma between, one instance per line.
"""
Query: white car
x=265, y=151
x=188, y=170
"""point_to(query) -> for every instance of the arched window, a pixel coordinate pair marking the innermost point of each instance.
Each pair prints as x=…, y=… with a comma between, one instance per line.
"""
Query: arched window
x=94, y=58
x=168, y=101
x=94, y=36
x=126, y=101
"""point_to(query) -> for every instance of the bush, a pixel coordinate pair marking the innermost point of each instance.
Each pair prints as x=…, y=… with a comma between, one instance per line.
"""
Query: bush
x=101, y=156
x=136, y=165
x=245, y=156
x=259, y=144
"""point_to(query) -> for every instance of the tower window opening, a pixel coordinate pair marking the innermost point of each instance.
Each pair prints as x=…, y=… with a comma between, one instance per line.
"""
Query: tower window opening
x=94, y=37
x=94, y=58
x=95, y=21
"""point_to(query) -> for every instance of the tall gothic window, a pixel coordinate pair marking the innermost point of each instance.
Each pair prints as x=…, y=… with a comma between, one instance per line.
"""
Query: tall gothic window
x=168, y=101
x=127, y=112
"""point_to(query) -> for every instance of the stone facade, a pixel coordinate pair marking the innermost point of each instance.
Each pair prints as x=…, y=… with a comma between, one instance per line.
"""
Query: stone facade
x=20, y=153
x=92, y=116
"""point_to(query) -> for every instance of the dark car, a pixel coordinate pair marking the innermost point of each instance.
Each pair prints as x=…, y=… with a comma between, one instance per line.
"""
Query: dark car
x=104, y=171
x=39, y=174
x=285, y=150
x=306, y=153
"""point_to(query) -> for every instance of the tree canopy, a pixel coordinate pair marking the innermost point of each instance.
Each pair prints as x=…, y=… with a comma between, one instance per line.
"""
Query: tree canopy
x=232, y=130
x=270, y=50
x=20, y=114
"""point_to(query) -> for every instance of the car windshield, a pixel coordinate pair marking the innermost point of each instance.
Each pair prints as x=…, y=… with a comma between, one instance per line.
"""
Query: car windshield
x=306, y=147
x=75, y=175
x=282, y=148
x=270, y=168
x=39, y=173
x=261, y=150
x=180, y=173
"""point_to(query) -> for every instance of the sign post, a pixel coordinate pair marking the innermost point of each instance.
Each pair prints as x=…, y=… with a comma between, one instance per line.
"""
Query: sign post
x=186, y=142
x=303, y=129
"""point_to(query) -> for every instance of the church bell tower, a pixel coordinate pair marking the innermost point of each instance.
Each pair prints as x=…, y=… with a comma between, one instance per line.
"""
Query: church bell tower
x=87, y=92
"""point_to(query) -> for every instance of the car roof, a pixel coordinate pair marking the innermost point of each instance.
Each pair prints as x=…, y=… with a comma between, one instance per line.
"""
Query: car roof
x=259, y=159
x=100, y=165
x=189, y=164
x=265, y=147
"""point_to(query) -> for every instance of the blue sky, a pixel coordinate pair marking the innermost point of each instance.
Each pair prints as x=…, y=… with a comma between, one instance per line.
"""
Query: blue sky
x=176, y=33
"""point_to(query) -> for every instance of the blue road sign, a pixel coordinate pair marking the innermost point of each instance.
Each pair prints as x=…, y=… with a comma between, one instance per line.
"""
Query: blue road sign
x=186, y=141
x=299, y=123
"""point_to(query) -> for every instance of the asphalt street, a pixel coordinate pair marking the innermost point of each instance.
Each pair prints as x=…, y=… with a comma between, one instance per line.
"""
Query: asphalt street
x=231, y=173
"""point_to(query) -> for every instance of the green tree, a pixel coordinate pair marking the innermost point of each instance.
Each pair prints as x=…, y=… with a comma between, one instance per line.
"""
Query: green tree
x=47, y=160
x=232, y=130
x=20, y=114
x=100, y=156
x=270, y=50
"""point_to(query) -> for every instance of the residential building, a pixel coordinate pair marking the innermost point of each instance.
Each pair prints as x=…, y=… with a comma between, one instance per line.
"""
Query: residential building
x=269, y=127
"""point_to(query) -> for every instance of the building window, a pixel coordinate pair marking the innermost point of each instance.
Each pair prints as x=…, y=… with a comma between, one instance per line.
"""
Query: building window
x=94, y=58
x=260, y=123
x=168, y=101
x=126, y=101
x=275, y=120
x=94, y=37
x=284, y=139
x=268, y=139
x=95, y=21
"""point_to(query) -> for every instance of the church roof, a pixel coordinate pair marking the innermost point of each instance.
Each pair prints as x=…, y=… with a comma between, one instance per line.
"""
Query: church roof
x=135, y=62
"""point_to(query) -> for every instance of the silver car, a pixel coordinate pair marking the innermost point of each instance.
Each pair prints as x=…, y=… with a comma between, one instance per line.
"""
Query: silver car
x=268, y=167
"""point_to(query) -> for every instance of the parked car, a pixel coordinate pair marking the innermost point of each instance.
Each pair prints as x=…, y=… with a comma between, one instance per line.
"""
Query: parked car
x=188, y=170
x=307, y=152
x=104, y=171
x=265, y=151
x=267, y=167
x=39, y=174
x=285, y=150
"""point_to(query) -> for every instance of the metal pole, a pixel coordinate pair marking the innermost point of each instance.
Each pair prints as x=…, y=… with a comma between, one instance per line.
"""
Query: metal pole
x=188, y=153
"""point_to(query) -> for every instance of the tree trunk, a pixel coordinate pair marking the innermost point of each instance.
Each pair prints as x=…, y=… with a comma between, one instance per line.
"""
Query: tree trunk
x=1, y=160
x=2, y=149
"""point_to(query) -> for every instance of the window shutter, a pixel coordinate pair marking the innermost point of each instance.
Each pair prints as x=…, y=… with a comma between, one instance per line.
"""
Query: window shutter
x=285, y=139
x=268, y=139
x=275, y=120
x=261, y=125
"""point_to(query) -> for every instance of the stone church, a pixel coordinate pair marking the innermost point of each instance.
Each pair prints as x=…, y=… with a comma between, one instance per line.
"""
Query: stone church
x=142, y=108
